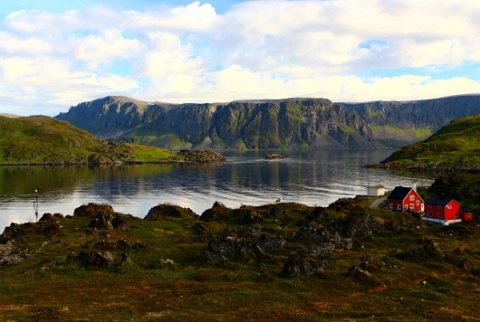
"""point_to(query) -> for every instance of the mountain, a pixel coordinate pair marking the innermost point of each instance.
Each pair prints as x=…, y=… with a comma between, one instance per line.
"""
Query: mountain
x=263, y=124
x=457, y=145
x=307, y=123
x=396, y=124
x=42, y=139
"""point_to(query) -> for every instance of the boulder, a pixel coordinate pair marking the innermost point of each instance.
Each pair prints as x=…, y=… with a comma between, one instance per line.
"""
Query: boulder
x=97, y=259
x=216, y=213
x=274, y=156
x=92, y=209
x=163, y=210
x=301, y=267
x=315, y=231
x=219, y=248
x=201, y=156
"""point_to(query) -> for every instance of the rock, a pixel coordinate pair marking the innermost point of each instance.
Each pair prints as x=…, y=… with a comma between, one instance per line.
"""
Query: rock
x=49, y=216
x=163, y=210
x=97, y=259
x=299, y=267
x=201, y=156
x=102, y=221
x=269, y=243
x=359, y=227
x=6, y=256
x=92, y=209
x=314, y=231
x=219, y=248
x=13, y=231
x=216, y=213
x=274, y=156
x=346, y=243
x=358, y=273
x=322, y=250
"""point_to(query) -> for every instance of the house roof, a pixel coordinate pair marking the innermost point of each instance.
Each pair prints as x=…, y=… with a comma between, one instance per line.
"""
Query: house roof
x=399, y=193
x=440, y=201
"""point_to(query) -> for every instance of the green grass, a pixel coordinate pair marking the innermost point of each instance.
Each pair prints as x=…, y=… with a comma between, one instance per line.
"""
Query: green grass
x=41, y=139
x=456, y=145
x=48, y=285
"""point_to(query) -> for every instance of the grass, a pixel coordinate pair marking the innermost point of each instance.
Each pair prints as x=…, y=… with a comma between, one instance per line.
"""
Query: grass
x=41, y=139
x=456, y=145
x=50, y=284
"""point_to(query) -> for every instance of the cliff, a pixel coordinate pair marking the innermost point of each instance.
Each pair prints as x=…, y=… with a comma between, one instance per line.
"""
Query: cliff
x=290, y=124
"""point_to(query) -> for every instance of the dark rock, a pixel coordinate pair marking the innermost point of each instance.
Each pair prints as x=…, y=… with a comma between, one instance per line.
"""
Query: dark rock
x=217, y=213
x=159, y=211
x=97, y=259
x=315, y=231
x=11, y=232
x=92, y=209
x=102, y=221
x=202, y=156
x=49, y=216
x=219, y=248
x=300, y=267
x=358, y=273
x=119, y=223
x=269, y=243
x=274, y=156
x=322, y=250
x=359, y=227
x=50, y=228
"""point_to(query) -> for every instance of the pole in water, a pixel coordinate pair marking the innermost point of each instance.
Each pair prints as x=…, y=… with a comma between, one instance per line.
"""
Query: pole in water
x=35, y=204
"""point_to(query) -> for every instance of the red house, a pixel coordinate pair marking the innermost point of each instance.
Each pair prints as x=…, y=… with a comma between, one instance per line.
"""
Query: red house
x=405, y=199
x=445, y=211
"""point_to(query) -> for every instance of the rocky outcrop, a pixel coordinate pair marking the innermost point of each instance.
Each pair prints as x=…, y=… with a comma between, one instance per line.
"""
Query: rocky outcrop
x=201, y=156
x=302, y=267
x=92, y=209
x=166, y=210
x=274, y=156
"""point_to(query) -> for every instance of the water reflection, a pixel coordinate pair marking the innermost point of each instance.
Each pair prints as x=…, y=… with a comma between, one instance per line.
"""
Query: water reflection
x=315, y=178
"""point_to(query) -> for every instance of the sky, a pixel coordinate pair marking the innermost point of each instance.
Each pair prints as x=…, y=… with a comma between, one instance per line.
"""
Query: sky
x=55, y=54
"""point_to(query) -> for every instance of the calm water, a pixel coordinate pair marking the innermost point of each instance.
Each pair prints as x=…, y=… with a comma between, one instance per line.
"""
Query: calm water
x=314, y=178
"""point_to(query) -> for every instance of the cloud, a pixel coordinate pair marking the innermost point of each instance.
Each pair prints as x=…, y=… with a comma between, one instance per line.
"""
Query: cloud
x=340, y=49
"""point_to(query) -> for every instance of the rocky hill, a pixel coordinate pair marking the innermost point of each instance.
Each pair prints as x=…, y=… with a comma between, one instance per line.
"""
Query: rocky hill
x=456, y=146
x=262, y=124
x=282, y=262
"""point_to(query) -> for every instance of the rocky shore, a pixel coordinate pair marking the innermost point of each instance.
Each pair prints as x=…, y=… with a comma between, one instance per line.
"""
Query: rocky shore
x=174, y=258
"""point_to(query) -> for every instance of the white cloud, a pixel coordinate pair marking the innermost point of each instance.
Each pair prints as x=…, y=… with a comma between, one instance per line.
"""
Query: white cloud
x=340, y=49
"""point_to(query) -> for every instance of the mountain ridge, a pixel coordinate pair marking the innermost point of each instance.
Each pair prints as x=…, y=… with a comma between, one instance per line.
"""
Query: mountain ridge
x=291, y=123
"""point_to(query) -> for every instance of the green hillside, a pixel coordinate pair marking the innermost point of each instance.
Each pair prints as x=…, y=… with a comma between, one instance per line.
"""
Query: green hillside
x=457, y=145
x=42, y=139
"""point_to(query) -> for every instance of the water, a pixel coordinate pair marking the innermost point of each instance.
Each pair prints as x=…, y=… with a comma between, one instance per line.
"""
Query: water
x=313, y=178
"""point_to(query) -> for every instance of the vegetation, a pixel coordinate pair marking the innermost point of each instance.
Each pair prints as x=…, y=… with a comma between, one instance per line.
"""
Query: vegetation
x=41, y=139
x=455, y=146
x=103, y=265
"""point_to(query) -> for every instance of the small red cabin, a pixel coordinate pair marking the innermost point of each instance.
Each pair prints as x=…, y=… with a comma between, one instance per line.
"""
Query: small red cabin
x=446, y=211
x=405, y=199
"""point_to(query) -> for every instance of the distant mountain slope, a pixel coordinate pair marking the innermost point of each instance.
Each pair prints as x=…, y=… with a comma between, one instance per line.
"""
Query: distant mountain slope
x=399, y=123
x=42, y=139
x=456, y=145
x=291, y=123
x=261, y=124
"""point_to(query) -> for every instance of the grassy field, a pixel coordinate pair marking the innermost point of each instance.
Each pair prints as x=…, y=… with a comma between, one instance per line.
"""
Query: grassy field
x=456, y=145
x=41, y=139
x=416, y=271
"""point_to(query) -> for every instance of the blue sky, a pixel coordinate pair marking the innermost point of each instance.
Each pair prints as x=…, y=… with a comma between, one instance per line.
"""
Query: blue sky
x=56, y=54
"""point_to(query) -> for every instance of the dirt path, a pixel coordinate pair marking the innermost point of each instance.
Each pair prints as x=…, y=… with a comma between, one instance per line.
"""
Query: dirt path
x=377, y=202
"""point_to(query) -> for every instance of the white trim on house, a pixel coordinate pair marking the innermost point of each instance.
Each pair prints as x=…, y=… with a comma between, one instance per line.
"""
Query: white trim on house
x=441, y=221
